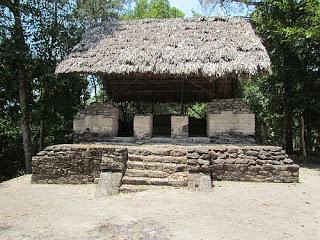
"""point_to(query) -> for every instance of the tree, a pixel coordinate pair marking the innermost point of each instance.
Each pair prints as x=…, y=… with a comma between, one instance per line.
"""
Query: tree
x=141, y=9
x=229, y=7
x=159, y=9
x=95, y=11
x=22, y=74
x=56, y=31
x=11, y=150
x=153, y=9
x=291, y=31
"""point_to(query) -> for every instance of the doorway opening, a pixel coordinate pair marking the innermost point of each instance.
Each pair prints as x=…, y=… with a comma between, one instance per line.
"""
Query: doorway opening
x=197, y=127
x=125, y=128
x=162, y=125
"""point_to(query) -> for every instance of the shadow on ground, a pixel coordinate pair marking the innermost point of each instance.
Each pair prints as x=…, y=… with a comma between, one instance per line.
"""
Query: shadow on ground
x=312, y=166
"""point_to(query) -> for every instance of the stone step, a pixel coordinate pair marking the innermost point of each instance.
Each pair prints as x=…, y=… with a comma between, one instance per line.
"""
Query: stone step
x=146, y=173
x=156, y=166
x=127, y=188
x=153, y=181
x=167, y=140
x=160, y=159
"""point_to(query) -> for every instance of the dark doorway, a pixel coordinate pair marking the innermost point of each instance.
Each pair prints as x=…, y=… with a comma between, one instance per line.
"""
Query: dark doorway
x=162, y=125
x=197, y=127
x=125, y=128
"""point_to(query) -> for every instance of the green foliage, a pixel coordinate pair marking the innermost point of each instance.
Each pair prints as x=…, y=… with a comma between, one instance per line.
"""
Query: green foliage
x=141, y=9
x=9, y=93
x=11, y=150
x=292, y=37
x=262, y=95
x=95, y=11
x=153, y=9
x=159, y=9
x=52, y=30
x=175, y=13
x=197, y=110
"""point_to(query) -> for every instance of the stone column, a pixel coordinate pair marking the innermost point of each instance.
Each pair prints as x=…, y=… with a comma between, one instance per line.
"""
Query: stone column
x=142, y=126
x=228, y=121
x=179, y=126
x=97, y=122
x=226, y=116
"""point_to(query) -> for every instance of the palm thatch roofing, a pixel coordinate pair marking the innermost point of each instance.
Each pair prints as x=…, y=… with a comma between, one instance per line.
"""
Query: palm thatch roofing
x=155, y=51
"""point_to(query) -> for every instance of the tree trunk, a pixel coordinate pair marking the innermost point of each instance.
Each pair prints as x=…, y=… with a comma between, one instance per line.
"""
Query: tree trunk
x=41, y=135
x=288, y=130
x=318, y=142
x=308, y=126
x=22, y=75
x=302, y=134
x=264, y=134
x=26, y=136
x=287, y=107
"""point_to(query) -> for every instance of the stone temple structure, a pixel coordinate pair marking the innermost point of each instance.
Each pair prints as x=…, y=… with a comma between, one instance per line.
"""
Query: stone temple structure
x=167, y=61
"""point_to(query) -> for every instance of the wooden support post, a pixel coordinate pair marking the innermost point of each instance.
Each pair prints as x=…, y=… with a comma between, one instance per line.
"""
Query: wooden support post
x=182, y=96
x=152, y=101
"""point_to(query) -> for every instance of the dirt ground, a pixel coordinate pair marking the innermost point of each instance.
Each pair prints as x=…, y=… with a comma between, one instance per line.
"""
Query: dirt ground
x=231, y=211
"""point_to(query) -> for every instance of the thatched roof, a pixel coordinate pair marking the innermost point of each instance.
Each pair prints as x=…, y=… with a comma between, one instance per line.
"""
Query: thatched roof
x=197, y=47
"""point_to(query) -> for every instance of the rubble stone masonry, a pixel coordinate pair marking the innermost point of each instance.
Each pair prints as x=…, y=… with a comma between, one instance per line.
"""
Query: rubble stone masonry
x=161, y=164
x=76, y=163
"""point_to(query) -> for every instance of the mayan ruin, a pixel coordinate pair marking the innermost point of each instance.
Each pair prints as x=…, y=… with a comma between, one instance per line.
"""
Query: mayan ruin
x=159, y=119
x=222, y=146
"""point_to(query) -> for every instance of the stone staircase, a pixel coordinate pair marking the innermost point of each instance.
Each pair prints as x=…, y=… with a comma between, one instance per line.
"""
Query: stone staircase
x=156, y=167
x=159, y=165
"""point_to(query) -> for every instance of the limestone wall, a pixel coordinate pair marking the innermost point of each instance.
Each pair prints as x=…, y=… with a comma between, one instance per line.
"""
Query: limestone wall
x=179, y=126
x=228, y=121
x=163, y=164
x=142, y=126
x=96, y=123
x=227, y=117
x=236, y=105
x=76, y=163
x=243, y=163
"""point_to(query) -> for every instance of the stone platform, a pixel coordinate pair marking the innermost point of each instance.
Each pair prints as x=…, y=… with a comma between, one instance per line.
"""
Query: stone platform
x=162, y=164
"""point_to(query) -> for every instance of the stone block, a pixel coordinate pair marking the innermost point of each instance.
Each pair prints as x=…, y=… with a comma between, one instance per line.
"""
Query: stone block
x=287, y=161
x=143, y=126
x=226, y=120
x=203, y=162
x=199, y=182
x=96, y=122
x=109, y=184
x=179, y=126
x=178, y=153
x=193, y=155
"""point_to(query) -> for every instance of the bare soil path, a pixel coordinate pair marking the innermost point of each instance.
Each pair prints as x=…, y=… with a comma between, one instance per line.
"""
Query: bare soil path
x=231, y=211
